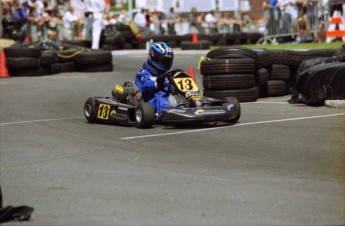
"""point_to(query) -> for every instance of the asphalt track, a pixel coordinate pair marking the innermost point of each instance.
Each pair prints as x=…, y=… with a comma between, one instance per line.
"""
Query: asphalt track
x=281, y=164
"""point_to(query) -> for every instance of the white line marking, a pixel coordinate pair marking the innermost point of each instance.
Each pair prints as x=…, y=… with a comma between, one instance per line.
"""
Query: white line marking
x=235, y=125
x=42, y=120
x=269, y=102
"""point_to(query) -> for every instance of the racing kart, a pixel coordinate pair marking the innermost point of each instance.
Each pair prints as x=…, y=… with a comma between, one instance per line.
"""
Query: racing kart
x=127, y=105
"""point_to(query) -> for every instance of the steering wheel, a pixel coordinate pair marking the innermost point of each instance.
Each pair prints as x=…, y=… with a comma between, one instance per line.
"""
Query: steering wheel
x=161, y=78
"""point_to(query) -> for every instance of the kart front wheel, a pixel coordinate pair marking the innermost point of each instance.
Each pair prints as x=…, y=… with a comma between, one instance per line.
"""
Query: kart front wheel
x=90, y=110
x=236, y=103
x=144, y=115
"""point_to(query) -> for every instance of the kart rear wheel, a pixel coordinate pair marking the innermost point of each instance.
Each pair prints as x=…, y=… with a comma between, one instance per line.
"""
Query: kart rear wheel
x=90, y=109
x=236, y=103
x=144, y=115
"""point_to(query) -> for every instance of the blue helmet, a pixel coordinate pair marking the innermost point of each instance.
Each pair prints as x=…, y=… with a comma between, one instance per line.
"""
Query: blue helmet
x=161, y=56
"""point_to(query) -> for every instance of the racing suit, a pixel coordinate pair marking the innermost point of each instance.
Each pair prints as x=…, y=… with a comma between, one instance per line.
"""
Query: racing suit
x=145, y=81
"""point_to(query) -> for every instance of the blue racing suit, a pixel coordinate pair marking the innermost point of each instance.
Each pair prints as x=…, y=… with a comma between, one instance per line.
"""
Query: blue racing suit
x=145, y=81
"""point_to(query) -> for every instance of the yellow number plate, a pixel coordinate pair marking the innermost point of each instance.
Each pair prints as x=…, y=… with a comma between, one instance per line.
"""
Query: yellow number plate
x=185, y=84
x=103, y=111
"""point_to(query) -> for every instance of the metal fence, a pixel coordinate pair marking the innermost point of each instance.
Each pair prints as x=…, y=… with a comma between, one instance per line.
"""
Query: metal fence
x=299, y=21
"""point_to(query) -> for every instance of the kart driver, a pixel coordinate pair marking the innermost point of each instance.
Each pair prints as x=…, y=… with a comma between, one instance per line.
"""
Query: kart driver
x=159, y=61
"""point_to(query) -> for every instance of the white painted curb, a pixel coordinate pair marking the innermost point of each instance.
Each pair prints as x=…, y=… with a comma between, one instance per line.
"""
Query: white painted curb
x=335, y=103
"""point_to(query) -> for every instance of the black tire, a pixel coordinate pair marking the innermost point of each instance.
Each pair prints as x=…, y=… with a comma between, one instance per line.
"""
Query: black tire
x=144, y=115
x=90, y=110
x=48, y=58
x=22, y=62
x=93, y=57
x=279, y=72
x=227, y=66
x=230, y=81
x=261, y=77
x=22, y=52
x=273, y=88
x=68, y=55
x=67, y=67
x=39, y=71
x=232, y=52
x=234, y=101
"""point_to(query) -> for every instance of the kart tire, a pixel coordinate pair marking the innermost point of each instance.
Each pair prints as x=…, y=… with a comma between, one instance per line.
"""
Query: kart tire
x=90, y=110
x=234, y=101
x=144, y=115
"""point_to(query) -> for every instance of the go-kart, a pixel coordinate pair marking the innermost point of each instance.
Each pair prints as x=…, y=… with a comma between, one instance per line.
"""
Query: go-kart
x=127, y=105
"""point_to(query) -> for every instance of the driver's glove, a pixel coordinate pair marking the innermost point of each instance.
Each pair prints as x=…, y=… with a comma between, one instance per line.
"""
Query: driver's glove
x=160, y=82
x=191, y=93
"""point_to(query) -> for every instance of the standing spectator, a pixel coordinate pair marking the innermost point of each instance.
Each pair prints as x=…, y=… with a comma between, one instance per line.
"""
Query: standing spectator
x=155, y=23
x=123, y=17
x=223, y=24
x=140, y=20
x=302, y=28
x=69, y=20
x=171, y=18
x=202, y=25
x=268, y=16
x=109, y=19
x=193, y=21
x=236, y=24
x=147, y=30
x=94, y=11
x=276, y=15
x=54, y=25
x=211, y=21
x=36, y=21
x=78, y=11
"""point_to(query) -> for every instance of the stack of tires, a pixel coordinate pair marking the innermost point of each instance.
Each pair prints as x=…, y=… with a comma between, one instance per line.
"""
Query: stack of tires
x=46, y=58
x=231, y=71
x=24, y=61
x=118, y=36
x=249, y=74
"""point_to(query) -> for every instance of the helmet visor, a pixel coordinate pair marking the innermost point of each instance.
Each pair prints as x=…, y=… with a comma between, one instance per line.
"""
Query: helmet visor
x=166, y=61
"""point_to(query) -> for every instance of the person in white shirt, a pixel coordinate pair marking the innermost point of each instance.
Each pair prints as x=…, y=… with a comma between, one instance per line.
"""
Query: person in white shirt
x=211, y=21
x=69, y=20
x=94, y=12
x=140, y=20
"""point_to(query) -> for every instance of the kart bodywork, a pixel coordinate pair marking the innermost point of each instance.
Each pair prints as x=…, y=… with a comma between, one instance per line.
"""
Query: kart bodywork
x=126, y=105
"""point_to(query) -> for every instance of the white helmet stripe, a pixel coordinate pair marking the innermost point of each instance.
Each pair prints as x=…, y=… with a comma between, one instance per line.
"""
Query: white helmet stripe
x=160, y=46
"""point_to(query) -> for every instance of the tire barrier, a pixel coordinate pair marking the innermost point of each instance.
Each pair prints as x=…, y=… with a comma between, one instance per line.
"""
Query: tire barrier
x=250, y=74
x=49, y=57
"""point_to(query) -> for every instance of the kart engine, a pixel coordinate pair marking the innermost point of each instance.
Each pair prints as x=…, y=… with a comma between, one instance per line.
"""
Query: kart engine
x=121, y=92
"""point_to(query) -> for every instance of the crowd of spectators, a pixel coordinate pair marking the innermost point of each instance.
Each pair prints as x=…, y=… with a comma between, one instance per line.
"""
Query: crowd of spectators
x=305, y=19
x=65, y=20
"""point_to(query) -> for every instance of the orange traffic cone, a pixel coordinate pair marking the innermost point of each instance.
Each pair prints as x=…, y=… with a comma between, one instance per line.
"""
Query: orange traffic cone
x=191, y=72
x=3, y=68
x=195, y=38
